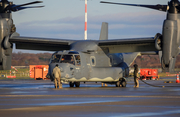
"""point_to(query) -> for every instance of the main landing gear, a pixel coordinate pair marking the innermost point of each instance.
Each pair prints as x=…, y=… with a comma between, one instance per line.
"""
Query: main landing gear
x=71, y=84
x=121, y=83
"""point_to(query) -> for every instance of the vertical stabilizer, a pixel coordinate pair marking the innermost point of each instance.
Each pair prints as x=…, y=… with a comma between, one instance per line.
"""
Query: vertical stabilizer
x=104, y=31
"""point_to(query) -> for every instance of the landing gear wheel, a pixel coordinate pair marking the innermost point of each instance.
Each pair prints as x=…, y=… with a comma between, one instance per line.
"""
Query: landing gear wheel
x=118, y=84
x=77, y=84
x=71, y=84
x=123, y=83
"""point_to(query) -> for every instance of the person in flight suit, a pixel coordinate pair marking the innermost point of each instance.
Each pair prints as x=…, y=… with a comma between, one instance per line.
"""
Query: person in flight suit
x=136, y=75
x=57, y=77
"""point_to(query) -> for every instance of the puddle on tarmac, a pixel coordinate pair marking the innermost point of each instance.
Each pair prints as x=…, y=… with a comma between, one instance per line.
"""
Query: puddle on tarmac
x=70, y=102
x=24, y=92
x=73, y=103
x=148, y=114
x=27, y=86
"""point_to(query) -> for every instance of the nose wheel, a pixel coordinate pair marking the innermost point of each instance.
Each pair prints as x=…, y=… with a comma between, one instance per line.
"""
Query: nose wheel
x=71, y=84
x=121, y=83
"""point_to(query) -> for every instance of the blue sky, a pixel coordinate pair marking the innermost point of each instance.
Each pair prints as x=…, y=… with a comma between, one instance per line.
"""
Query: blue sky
x=64, y=19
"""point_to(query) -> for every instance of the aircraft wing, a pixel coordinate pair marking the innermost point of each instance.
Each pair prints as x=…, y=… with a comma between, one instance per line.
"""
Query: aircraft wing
x=129, y=45
x=113, y=46
x=45, y=44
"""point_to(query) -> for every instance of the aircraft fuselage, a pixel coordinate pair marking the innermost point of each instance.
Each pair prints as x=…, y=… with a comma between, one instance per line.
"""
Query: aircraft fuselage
x=93, y=65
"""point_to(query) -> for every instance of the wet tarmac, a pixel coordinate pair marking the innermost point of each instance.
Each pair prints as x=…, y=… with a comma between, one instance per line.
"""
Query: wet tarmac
x=27, y=98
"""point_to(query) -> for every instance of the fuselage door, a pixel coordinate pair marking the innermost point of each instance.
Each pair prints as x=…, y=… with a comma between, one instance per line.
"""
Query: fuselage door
x=111, y=60
x=77, y=66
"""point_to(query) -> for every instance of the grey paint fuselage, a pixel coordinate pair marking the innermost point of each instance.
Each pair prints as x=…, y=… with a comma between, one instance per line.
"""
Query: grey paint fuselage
x=105, y=67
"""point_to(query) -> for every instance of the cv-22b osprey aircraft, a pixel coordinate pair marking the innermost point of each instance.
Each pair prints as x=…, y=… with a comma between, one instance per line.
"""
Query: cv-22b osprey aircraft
x=100, y=60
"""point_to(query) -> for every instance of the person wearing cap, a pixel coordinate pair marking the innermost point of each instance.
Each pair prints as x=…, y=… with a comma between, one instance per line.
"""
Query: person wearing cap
x=136, y=82
x=57, y=77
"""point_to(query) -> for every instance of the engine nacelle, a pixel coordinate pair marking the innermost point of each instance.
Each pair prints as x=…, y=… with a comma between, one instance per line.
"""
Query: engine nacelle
x=170, y=43
x=5, y=47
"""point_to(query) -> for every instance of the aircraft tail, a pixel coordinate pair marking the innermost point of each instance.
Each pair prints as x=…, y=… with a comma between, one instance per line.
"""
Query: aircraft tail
x=104, y=31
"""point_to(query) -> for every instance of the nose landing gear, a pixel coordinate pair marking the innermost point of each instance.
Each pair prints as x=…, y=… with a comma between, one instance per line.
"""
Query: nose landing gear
x=121, y=83
x=71, y=84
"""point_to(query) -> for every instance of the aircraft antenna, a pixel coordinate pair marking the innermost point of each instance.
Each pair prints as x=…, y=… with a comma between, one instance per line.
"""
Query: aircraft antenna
x=85, y=29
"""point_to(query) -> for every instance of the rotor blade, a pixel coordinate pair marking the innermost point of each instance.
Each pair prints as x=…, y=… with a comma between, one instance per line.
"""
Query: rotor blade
x=21, y=8
x=14, y=7
x=156, y=7
x=35, y=2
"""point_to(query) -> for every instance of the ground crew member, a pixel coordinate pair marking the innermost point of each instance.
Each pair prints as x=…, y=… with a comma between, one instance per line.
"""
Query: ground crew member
x=136, y=75
x=57, y=77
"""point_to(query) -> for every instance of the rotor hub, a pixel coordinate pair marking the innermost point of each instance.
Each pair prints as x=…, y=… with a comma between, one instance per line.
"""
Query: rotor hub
x=174, y=6
x=3, y=5
x=7, y=7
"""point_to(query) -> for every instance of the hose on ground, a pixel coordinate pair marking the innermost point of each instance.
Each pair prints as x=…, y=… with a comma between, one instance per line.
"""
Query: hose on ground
x=156, y=85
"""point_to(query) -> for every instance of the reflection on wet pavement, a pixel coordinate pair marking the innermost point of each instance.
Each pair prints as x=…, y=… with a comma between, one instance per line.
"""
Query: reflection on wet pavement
x=148, y=114
x=20, y=97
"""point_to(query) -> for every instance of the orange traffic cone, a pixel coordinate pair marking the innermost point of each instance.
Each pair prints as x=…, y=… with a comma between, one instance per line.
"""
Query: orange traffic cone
x=177, y=80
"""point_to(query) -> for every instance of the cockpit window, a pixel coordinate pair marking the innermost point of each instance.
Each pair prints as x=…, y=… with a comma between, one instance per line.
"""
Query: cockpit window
x=78, y=60
x=55, y=58
x=68, y=59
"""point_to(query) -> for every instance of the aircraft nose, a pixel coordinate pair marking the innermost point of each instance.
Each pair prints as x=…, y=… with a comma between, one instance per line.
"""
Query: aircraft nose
x=67, y=70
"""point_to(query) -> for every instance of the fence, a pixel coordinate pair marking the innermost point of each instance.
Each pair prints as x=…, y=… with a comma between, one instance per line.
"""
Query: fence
x=23, y=71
